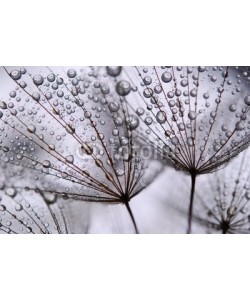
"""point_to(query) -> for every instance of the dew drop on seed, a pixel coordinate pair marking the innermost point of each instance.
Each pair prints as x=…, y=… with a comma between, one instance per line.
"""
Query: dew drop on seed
x=2, y=207
x=232, y=107
x=161, y=117
x=166, y=77
x=147, y=80
x=190, y=141
x=174, y=141
x=11, y=192
x=181, y=126
x=51, y=77
x=31, y=128
x=114, y=106
x=157, y=89
x=15, y=74
x=148, y=120
x=46, y=163
x=123, y=88
x=114, y=71
x=18, y=207
x=50, y=198
x=38, y=79
x=193, y=93
x=70, y=159
x=133, y=122
x=240, y=125
x=192, y=115
x=231, y=211
x=3, y=105
x=71, y=73
x=140, y=111
x=36, y=96
x=247, y=100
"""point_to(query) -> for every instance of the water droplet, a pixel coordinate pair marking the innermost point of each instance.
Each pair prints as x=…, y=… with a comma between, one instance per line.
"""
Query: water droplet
x=31, y=128
x=70, y=159
x=192, y=115
x=46, y=163
x=232, y=107
x=166, y=77
x=71, y=73
x=247, y=100
x=193, y=93
x=3, y=105
x=231, y=211
x=190, y=141
x=50, y=198
x=51, y=77
x=38, y=79
x=114, y=106
x=2, y=207
x=15, y=74
x=240, y=125
x=161, y=117
x=18, y=207
x=11, y=192
x=140, y=111
x=114, y=71
x=133, y=122
x=123, y=88
x=148, y=120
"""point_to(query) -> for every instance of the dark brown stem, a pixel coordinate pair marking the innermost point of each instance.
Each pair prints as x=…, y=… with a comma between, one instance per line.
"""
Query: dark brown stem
x=132, y=217
x=190, y=211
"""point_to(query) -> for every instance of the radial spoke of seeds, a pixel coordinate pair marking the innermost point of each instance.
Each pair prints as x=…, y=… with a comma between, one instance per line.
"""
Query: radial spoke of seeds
x=129, y=181
x=99, y=138
x=63, y=160
x=184, y=150
x=186, y=155
x=175, y=157
x=73, y=134
x=211, y=126
x=182, y=117
x=185, y=159
x=195, y=121
x=243, y=141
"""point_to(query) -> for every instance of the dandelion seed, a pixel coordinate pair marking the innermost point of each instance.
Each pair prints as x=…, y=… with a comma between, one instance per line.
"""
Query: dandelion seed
x=222, y=203
x=197, y=102
x=70, y=117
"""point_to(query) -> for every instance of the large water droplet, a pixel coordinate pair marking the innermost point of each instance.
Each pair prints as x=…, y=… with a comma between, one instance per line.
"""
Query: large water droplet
x=166, y=77
x=38, y=79
x=161, y=117
x=114, y=71
x=15, y=74
x=123, y=88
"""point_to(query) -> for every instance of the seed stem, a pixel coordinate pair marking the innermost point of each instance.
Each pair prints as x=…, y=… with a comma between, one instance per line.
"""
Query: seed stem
x=191, y=202
x=132, y=217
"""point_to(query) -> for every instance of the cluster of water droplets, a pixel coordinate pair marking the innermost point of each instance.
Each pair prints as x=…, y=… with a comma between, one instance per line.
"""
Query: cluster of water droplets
x=223, y=199
x=71, y=132
x=25, y=211
x=197, y=116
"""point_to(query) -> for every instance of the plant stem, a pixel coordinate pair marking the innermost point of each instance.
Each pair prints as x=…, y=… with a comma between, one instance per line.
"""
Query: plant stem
x=190, y=211
x=132, y=217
